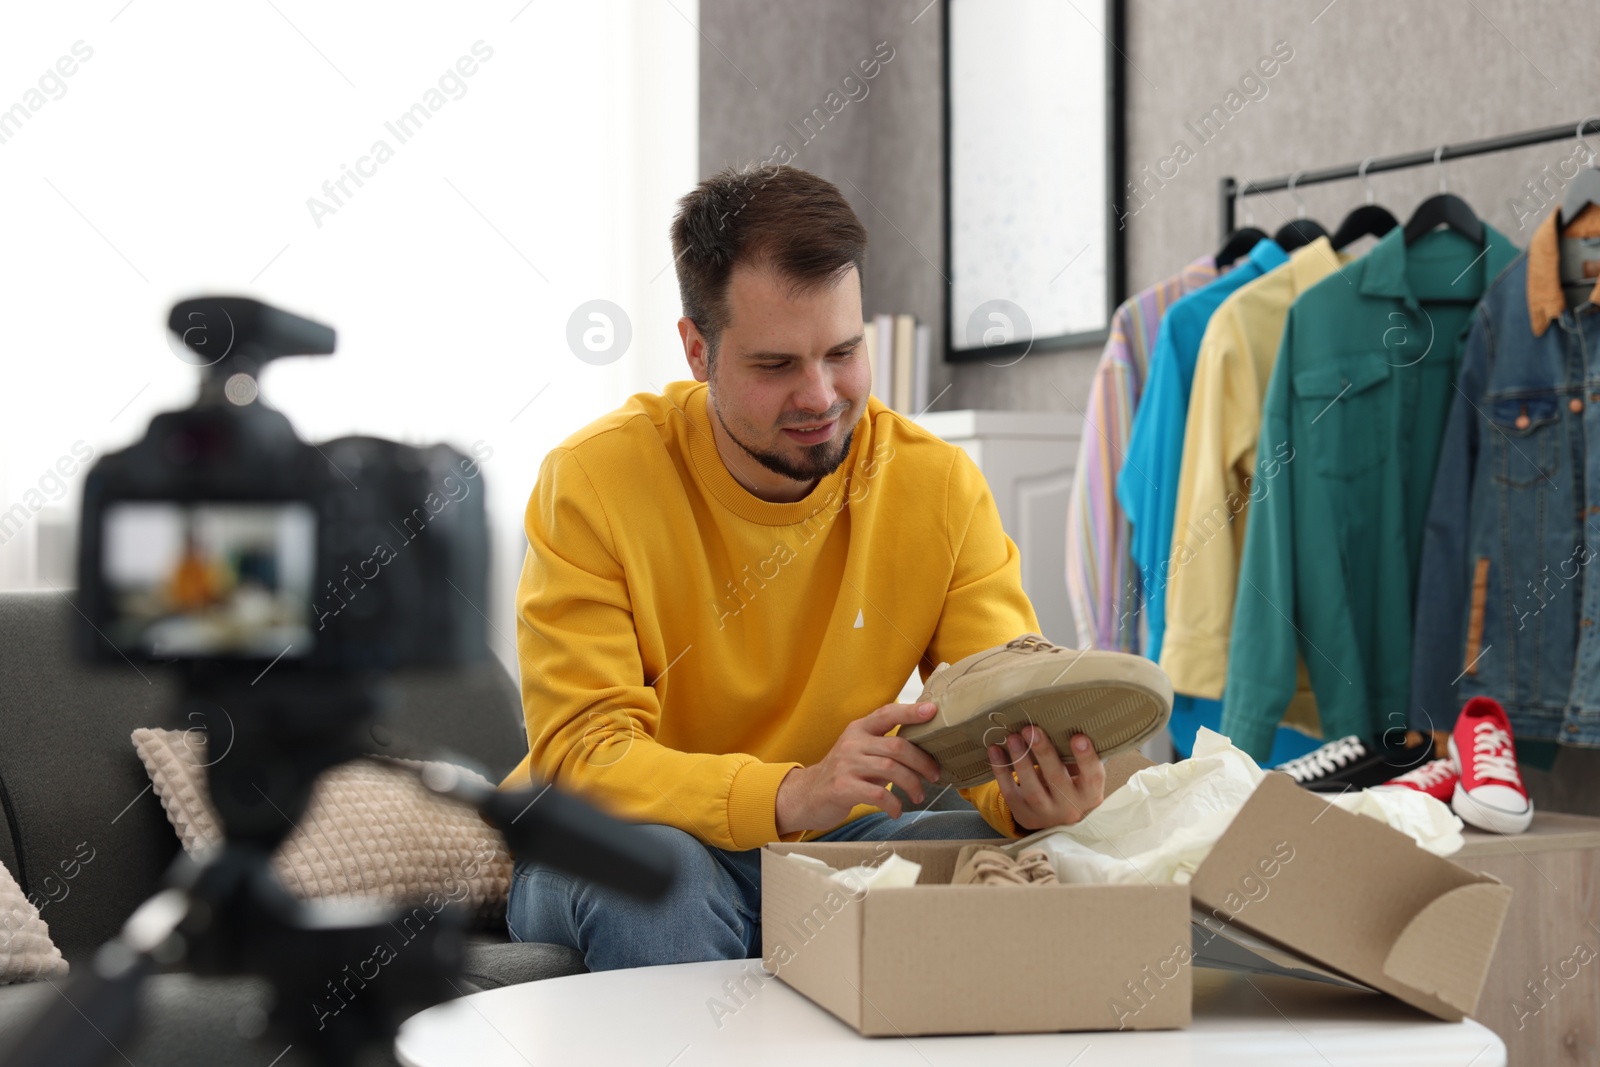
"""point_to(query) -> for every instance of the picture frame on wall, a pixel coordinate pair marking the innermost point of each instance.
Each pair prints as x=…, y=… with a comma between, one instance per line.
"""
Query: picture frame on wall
x=1034, y=135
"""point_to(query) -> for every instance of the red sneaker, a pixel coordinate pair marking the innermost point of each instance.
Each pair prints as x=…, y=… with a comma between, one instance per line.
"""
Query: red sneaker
x=1490, y=794
x=1436, y=778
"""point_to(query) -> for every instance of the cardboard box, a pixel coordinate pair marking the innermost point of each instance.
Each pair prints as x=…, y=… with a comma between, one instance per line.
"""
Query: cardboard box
x=1344, y=893
x=936, y=958
x=1003, y=964
x=1295, y=886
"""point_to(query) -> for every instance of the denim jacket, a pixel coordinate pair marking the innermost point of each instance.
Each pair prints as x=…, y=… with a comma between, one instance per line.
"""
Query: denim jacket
x=1506, y=600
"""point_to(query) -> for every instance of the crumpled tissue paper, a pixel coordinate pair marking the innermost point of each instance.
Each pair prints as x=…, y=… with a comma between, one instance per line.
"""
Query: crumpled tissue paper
x=1426, y=820
x=1165, y=820
x=893, y=872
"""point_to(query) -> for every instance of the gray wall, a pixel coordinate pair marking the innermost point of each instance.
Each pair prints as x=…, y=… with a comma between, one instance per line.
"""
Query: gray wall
x=767, y=63
x=1368, y=77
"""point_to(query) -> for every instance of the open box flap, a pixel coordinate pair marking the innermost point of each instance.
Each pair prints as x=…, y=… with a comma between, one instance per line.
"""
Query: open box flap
x=1341, y=891
x=1221, y=946
x=1429, y=956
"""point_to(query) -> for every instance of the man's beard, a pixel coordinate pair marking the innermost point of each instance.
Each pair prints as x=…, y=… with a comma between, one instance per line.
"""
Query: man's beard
x=818, y=461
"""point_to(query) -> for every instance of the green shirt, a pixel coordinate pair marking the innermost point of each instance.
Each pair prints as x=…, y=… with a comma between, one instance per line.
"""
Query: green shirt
x=1357, y=403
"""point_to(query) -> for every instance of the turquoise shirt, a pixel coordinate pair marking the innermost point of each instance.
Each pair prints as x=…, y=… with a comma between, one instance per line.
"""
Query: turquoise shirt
x=1357, y=401
x=1147, y=487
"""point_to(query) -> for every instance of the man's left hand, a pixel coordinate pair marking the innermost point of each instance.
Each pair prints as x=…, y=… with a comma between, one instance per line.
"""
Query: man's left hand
x=1040, y=788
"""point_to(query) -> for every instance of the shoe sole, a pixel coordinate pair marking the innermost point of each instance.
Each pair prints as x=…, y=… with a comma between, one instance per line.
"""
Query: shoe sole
x=1115, y=714
x=1481, y=815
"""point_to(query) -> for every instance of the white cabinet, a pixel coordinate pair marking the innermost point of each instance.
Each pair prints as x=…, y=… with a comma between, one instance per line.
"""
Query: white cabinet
x=1027, y=457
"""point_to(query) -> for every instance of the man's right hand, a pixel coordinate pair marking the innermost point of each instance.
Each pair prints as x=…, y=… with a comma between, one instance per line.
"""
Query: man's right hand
x=858, y=770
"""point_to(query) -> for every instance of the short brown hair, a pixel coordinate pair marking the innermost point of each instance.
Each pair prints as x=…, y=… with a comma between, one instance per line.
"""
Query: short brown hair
x=773, y=216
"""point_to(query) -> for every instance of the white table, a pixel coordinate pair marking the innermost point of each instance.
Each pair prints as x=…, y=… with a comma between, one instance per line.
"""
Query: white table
x=661, y=1016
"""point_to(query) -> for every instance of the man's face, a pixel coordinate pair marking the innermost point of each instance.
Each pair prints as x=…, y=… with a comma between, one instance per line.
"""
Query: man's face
x=785, y=364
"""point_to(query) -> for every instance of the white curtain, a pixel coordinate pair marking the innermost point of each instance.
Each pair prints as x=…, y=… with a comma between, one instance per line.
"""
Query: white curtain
x=515, y=161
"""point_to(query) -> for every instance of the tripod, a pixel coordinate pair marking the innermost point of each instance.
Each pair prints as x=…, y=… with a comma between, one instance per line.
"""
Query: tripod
x=226, y=913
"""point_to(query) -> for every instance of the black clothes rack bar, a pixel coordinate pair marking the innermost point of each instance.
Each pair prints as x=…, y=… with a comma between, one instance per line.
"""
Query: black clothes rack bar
x=1229, y=189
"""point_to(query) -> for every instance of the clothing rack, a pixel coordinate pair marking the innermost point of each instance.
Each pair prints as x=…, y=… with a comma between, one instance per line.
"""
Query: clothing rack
x=1229, y=189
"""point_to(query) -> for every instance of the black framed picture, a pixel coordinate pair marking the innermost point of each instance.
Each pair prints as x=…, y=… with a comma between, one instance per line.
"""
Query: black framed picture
x=1034, y=136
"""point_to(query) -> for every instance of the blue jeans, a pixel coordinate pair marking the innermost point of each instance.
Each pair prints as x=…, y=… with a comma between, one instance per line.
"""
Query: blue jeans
x=712, y=910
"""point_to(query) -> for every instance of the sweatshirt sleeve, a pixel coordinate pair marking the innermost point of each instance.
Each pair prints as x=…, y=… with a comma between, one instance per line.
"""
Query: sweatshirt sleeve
x=592, y=716
x=985, y=605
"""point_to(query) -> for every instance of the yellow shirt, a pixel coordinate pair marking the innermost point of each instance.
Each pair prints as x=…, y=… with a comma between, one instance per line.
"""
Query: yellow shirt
x=1218, y=480
x=684, y=644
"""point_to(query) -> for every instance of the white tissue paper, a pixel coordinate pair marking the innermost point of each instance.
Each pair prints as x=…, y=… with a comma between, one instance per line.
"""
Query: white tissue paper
x=1426, y=820
x=893, y=872
x=1164, y=821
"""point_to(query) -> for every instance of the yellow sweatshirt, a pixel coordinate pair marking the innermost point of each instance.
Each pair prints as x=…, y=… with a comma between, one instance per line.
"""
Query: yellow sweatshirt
x=685, y=644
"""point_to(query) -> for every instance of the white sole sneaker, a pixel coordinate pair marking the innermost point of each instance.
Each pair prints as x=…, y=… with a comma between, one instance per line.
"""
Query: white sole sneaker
x=1483, y=815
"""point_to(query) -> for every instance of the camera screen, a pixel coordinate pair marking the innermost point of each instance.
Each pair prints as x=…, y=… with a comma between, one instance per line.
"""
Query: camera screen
x=198, y=579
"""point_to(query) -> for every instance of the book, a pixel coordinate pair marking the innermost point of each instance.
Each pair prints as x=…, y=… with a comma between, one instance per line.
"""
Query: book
x=905, y=341
x=869, y=330
x=921, y=372
x=885, y=330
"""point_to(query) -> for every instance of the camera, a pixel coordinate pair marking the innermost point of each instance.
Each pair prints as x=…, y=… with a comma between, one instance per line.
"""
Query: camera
x=222, y=537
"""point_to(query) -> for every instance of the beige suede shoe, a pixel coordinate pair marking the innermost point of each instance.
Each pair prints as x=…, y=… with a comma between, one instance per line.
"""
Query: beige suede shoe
x=1116, y=699
x=978, y=865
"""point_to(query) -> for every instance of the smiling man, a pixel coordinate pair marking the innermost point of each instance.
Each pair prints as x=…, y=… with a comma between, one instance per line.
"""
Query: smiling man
x=728, y=584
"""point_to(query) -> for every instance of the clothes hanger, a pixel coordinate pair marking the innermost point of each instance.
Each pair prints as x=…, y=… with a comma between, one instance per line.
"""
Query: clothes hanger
x=1582, y=190
x=1301, y=231
x=1241, y=241
x=1368, y=220
x=1444, y=209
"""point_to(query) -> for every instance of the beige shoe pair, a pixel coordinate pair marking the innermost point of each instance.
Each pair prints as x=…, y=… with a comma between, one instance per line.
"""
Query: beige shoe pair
x=980, y=865
x=1117, y=700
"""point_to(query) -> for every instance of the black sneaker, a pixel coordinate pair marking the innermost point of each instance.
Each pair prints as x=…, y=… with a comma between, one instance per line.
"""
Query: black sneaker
x=1351, y=763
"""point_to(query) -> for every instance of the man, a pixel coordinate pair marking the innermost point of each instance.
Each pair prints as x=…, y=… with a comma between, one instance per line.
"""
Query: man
x=728, y=584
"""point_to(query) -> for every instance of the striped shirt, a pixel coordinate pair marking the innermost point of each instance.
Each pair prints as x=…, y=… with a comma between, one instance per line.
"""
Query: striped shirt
x=1102, y=581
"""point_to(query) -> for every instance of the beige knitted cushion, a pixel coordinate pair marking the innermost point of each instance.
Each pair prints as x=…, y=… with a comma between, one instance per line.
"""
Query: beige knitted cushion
x=26, y=951
x=369, y=831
